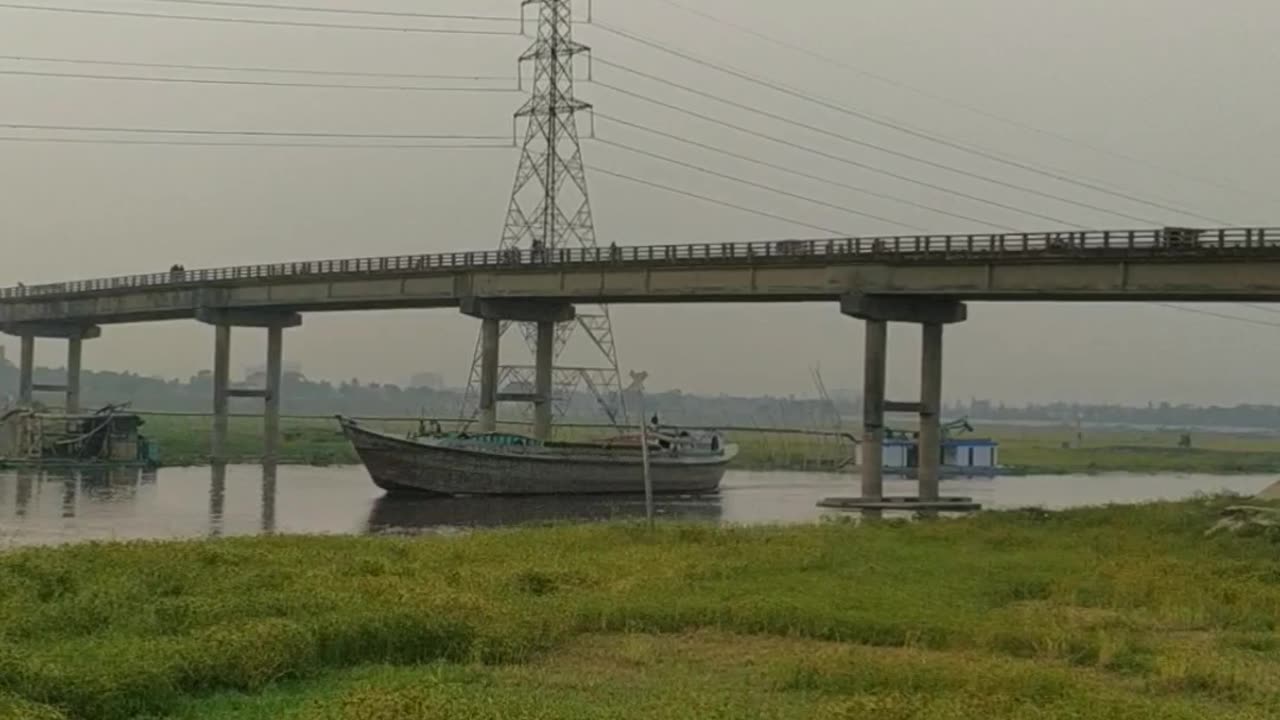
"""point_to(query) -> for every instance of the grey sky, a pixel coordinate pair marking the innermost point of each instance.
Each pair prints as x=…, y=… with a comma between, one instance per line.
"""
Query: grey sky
x=1178, y=83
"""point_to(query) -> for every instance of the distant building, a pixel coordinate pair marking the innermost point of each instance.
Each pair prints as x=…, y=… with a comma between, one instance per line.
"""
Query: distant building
x=257, y=374
x=429, y=380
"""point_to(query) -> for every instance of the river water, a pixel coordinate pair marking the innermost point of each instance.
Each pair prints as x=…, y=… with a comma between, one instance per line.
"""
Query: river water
x=45, y=508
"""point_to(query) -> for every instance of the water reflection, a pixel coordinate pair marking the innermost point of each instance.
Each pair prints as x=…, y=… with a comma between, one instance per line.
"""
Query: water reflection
x=26, y=483
x=70, y=493
x=60, y=506
x=217, y=498
x=269, y=477
x=409, y=513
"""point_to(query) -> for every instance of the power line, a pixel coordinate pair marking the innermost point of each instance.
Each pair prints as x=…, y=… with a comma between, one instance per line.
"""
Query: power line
x=247, y=133
x=898, y=126
x=253, y=83
x=253, y=21
x=879, y=148
x=235, y=144
x=902, y=128
x=337, y=11
x=714, y=201
x=1263, y=308
x=760, y=186
x=791, y=171
x=1222, y=316
x=250, y=69
x=838, y=158
x=951, y=101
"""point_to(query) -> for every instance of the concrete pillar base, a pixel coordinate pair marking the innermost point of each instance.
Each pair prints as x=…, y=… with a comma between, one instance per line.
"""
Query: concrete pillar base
x=903, y=504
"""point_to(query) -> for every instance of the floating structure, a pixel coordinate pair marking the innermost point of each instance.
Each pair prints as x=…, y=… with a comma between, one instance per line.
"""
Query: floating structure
x=967, y=457
x=106, y=436
x=507, y=464
x=959, y=457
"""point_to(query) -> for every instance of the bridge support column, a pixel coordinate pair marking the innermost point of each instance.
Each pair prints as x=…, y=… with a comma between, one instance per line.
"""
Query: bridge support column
x=275, y=378
x=930, y=413
x=26, y=371
x=221, y=392
x=873, y=395
x=75, y=353
x=490, y=341
x=932, y=315
x=223, y=321
x=493, y=313
x=542, y=383
x=75, y=335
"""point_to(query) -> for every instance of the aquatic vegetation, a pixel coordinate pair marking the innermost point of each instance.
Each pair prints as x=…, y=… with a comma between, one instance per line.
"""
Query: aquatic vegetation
x=1127, y=608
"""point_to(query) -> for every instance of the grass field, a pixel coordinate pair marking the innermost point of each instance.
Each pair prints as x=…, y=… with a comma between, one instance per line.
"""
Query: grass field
x=1126, y=612
x=185, y=441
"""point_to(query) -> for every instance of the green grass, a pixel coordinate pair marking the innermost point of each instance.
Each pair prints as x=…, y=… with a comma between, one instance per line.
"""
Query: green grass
x=1117, y=613
x=1054, y=451
x=185, y=441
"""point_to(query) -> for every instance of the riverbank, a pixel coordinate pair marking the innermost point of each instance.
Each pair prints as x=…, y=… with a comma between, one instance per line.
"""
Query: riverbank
x=1028, y=451
x=1124, y=612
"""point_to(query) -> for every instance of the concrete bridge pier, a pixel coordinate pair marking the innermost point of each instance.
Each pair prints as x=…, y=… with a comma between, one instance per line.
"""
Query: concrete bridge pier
x=490, y=344
x=275, y=324
x=932, y=315
x=492, y=313
x=75, y=335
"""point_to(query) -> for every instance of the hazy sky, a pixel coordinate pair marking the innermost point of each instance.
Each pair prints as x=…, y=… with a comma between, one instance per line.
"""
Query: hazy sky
x=1182, y=84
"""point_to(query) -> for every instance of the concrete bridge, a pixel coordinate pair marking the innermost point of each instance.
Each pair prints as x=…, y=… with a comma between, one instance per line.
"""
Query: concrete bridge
x=916, y=279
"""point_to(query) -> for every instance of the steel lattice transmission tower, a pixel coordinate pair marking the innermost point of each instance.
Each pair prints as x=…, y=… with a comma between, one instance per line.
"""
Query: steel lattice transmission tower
x=551, y=209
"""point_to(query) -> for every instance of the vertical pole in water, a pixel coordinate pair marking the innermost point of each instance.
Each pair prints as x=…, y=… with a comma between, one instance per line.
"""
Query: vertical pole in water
x=644, y=461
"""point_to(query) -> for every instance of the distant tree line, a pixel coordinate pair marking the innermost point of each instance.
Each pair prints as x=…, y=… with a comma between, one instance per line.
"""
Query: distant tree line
x=303, y=396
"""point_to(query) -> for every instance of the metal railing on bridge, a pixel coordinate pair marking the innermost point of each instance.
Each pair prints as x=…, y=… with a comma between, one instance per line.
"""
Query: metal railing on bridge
x=1169, y=241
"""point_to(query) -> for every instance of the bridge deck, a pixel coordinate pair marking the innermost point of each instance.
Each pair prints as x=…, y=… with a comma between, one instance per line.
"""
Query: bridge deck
x=1169, y=264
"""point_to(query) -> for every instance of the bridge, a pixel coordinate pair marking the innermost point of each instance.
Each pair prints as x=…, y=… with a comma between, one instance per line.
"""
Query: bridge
x=920, y=279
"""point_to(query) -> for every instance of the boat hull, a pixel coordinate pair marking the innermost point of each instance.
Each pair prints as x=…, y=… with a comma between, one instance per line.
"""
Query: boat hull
x=401, y=465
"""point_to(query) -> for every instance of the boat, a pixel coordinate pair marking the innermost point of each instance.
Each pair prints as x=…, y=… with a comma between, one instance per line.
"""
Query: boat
x=449, y=464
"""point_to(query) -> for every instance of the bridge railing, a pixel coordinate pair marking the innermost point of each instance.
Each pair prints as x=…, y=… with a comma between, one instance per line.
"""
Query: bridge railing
x=1171, y=241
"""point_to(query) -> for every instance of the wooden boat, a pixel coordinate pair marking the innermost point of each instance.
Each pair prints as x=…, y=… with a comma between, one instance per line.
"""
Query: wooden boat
x=505, y=464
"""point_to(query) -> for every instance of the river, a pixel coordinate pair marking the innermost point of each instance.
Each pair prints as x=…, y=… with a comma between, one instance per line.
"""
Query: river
x=47, y=508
